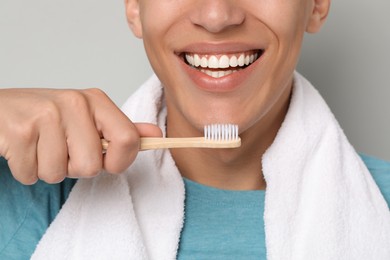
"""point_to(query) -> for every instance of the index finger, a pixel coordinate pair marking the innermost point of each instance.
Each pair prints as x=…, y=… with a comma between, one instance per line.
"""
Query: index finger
x=114, y=126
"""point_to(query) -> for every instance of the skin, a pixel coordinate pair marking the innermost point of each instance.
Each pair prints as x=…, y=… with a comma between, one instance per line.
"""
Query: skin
x=256, y=100
x=52, y=134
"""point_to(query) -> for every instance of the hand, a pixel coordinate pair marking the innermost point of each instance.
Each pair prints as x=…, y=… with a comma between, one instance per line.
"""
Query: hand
x=52, y=134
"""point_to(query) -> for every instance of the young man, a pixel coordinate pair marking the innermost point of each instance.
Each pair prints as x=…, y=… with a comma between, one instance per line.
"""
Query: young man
x=216, y=61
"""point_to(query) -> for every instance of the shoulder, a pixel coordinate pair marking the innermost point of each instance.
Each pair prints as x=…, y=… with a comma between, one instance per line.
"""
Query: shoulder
x=380, y=171
x=26, y=211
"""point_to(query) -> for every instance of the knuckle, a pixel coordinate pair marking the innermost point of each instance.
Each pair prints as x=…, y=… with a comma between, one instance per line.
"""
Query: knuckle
x=27, y=127
x=27, y=130
x=49, y=113
x=24, y=132
x=27, y=179
x=90, y=173
x=74, y=99
x=88, y=170
x=129, y=139
x=96, y=92
x=51, y=178
x=23, y=171
x=118, y=166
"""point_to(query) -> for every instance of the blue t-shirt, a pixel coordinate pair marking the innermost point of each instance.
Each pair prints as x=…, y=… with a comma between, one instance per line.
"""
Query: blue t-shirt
x=221, y=224
x=27, y=211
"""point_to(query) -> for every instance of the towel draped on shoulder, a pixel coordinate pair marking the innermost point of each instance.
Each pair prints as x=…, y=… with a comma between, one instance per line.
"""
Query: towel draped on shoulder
x=321, y=202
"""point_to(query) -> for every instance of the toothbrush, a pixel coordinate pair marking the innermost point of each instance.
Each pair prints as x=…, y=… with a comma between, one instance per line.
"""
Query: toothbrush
x=215, y=136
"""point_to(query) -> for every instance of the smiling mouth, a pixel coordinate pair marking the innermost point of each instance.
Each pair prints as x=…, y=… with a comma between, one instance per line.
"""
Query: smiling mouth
x=220, y=65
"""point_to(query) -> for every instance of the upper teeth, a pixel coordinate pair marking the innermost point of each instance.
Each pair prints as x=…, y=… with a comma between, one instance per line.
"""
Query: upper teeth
x=220, y=61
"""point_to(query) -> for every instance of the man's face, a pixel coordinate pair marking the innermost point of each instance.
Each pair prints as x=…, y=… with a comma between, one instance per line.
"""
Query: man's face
x=222, y=61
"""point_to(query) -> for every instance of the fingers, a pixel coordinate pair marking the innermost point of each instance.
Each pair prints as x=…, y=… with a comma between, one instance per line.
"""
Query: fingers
x=52, y=154
x=119, y=131
x=48, y=134
x=84, y=147
x=121, y=152
x=53, y=134
x=22, y=156
x=24, y=167
x=148, y=130
x=124, y=146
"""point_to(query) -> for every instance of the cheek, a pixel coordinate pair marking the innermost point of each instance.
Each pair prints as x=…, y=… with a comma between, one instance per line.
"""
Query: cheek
x=159, y=16
x=288, y=29
x=284, y=18
x=158, y=23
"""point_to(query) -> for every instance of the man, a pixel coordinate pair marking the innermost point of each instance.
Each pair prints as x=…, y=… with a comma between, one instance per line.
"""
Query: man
x=218, y=61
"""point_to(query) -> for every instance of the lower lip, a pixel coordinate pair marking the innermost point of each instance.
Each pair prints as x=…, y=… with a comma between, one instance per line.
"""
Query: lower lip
x=226, y=83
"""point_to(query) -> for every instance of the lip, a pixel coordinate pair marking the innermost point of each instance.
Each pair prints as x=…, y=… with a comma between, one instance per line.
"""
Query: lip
x=227, y=83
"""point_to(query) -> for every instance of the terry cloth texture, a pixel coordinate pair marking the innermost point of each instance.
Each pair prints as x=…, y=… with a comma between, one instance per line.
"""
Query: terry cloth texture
x=321, y=202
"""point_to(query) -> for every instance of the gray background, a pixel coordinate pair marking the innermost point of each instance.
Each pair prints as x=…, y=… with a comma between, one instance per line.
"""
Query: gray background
x=86, y=43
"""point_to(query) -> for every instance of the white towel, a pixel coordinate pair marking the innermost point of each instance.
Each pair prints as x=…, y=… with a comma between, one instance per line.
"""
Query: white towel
x=321, y=201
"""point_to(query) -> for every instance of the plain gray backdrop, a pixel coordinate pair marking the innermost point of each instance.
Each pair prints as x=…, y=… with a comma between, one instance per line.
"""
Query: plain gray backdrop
x=86, y=43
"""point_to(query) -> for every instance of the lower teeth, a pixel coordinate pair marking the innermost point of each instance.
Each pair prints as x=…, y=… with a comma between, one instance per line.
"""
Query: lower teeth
x=218, y=73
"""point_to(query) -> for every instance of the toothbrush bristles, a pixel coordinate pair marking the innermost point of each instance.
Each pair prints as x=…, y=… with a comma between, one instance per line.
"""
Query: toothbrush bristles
x=221, y=132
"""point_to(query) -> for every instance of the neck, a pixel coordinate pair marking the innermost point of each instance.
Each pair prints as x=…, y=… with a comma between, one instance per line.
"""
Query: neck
x=238, y=168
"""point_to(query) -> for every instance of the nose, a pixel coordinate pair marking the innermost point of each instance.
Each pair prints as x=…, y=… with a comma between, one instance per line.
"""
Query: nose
x=217, y=15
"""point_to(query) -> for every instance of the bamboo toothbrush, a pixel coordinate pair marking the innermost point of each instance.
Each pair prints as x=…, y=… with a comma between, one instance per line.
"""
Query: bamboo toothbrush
x=215, y=136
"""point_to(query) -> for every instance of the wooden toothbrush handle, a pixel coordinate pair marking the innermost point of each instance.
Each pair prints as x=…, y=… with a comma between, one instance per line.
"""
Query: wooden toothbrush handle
x=150, y=143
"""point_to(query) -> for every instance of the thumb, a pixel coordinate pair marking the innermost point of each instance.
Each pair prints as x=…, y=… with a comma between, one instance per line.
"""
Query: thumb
x=148, y=130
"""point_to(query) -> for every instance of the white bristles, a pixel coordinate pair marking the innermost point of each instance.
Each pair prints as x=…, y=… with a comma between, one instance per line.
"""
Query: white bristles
x=221, y=132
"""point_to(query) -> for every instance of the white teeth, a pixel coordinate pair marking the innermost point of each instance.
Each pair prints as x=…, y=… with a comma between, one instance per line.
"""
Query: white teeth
x=233, y=61
x=251, y=58
x=223, y=62
x=213, y=62
x=204, y=62
x=241, y=60
x=217, y=73
x=247, y=60
x=196, y=61
x=190, y=59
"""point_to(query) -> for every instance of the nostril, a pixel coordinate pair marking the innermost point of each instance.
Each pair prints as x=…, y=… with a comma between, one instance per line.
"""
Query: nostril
x=217, y=16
